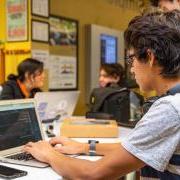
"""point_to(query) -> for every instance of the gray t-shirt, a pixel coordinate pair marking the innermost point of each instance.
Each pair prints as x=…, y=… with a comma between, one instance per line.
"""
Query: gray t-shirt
x=156, y=137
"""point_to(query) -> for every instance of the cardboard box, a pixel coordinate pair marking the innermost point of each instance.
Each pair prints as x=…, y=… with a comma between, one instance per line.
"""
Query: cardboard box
x=82, y=127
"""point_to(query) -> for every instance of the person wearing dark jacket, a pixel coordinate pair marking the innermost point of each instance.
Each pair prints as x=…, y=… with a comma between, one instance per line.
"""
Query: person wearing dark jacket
x=29, y=80
x=106, y=100
x=111, y=76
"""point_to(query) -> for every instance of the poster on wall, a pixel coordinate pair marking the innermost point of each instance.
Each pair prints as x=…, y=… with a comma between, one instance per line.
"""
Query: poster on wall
x=41, y=55
x=62, y=73
x=17, y=23
x=63, y=31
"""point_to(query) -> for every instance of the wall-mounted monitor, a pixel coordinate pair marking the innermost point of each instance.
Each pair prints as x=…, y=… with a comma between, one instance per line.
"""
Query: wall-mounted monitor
x=108, y=49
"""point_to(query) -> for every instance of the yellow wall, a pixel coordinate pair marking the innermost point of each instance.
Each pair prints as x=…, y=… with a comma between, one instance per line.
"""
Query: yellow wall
x=13, y=59
x=90, y=12
x=2, y=38
x=86, y=12
x=2, y=20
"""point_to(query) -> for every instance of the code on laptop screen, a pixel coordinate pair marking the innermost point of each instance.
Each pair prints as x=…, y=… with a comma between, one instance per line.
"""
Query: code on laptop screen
x=18, y=125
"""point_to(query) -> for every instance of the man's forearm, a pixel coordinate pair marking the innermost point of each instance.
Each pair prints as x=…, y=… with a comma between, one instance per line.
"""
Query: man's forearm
x=71, y=168
x=115, y=164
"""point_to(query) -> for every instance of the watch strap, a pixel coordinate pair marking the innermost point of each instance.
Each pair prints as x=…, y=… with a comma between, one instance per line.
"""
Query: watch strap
x=92, y=147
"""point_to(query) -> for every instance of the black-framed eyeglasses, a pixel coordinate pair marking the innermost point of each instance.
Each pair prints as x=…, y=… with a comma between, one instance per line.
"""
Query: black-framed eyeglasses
x=130, y=59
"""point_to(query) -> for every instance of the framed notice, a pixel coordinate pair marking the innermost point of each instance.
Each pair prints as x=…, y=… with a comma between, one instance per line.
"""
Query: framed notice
x=40, y=31
x=40, y=8
x=17, y=20
x=62, y=73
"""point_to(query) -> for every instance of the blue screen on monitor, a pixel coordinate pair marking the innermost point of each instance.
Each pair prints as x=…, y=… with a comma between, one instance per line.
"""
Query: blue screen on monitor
x=108, y=46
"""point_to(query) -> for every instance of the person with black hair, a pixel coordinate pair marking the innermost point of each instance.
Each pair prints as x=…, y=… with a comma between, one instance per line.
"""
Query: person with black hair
x=111, y=74
x=111, y=99
x=29, y=80
x=154, y=144
x=166, y=5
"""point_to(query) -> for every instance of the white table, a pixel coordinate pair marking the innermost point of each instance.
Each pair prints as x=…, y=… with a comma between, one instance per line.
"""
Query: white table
x=49, y=174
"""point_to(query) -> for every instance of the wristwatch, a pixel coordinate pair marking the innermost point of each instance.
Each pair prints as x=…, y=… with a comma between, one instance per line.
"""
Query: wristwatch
x=92, y=147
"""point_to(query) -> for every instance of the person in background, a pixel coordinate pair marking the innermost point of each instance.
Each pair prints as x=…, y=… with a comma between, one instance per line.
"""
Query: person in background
x=29, y=80
x=111, y=74
x=111, y=86
x=166, y=5
x=154, y=144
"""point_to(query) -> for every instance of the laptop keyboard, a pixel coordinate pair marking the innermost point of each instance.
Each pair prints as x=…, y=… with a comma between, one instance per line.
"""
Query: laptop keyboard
x=22, y=156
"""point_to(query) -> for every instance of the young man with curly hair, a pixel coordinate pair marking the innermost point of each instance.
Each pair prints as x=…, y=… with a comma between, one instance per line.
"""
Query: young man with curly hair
x=153, y=43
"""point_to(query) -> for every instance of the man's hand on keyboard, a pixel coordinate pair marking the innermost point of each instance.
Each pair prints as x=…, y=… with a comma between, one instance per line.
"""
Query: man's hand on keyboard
x=67, y=146
x=41, y=150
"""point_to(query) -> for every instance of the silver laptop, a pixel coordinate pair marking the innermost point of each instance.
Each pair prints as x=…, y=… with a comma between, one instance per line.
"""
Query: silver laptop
x=52, y=104
x=19, y=125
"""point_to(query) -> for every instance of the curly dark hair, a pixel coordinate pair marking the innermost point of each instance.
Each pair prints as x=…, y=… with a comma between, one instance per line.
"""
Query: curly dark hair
x=160, y=33
x=156, y=2
x=114, y=70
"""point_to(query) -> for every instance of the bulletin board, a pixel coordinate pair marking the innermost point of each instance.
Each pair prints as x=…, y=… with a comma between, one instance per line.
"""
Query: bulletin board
x=63, y=62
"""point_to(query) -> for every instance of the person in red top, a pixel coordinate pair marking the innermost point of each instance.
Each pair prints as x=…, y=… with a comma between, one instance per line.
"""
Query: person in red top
x=29, y=80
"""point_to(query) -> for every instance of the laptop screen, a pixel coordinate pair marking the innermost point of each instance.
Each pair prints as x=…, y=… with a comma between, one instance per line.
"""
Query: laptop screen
x=18, y=125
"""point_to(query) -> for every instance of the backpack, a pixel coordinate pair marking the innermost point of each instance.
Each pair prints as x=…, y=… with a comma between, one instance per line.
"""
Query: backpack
x=110, y=103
